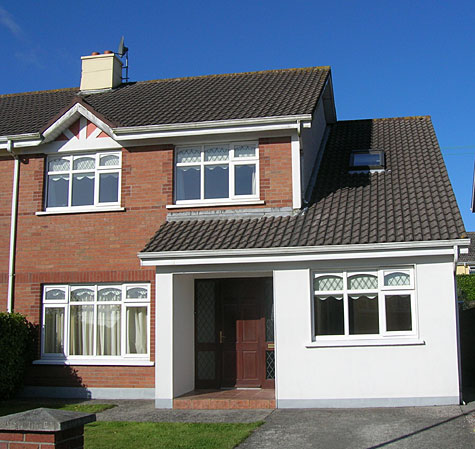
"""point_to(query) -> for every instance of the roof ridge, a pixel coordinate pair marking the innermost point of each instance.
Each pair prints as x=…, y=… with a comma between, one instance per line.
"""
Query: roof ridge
x=381, y=119
x=64, y=89
x=222, y=75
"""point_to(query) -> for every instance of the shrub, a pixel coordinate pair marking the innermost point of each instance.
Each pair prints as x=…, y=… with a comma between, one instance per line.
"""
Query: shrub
x=17, y=350
x=466, y=289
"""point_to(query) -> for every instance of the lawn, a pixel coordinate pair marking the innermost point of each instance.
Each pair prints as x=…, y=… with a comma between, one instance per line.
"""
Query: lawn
x=142, y=435
x=145, y=435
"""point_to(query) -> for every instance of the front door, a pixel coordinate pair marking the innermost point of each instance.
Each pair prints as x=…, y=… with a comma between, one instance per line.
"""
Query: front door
x=232, y=343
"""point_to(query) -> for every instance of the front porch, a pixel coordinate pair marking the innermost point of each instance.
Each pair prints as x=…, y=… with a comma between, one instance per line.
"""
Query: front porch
x=226, y=399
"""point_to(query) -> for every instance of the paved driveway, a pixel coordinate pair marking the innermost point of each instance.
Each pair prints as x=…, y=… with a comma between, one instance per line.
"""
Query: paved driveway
x=406, y=427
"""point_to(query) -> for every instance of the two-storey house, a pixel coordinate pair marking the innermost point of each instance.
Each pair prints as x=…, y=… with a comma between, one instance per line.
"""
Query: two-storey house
x=228, y=232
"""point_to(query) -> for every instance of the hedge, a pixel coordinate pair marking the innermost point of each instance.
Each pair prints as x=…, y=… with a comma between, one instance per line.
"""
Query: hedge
x=17, y=350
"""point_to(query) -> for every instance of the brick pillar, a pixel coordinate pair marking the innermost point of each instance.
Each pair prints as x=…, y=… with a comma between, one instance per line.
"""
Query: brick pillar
x=44, y=428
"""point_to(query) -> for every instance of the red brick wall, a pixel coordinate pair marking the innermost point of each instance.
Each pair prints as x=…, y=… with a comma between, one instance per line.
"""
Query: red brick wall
x=103, y=246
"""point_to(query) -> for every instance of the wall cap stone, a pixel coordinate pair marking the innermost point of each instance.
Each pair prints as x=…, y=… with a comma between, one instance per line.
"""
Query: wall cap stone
x=45, y=420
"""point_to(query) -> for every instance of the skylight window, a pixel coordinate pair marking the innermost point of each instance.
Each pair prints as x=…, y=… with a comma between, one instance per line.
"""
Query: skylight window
x=367, y=160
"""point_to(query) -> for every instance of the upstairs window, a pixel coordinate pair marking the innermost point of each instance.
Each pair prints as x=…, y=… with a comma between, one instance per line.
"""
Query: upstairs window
x=83, y=181
x=372, y=304
x=213, y=173
x=367, y=160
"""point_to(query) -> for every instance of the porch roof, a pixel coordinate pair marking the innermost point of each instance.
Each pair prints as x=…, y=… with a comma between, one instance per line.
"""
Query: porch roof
x=410, y=200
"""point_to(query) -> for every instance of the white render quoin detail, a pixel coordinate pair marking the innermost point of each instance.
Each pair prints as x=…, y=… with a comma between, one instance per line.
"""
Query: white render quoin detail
x=83, y=181
x=364, y=304
x=96, y=321
x=218, y=172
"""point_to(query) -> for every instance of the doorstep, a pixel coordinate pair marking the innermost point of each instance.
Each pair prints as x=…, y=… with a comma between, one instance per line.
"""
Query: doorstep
x=226, y=399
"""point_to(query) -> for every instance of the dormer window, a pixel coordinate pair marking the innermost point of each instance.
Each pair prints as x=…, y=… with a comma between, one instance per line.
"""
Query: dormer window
x=363, y=160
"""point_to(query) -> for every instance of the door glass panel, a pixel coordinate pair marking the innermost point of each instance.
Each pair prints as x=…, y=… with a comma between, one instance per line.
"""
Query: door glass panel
x=270, y=365
x=205, y=312
x=206, y=365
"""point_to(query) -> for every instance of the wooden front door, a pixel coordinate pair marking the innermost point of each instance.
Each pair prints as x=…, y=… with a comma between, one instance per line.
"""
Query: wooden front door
x=234, y=354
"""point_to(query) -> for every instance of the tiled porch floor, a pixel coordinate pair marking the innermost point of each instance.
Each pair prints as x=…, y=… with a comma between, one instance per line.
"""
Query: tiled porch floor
x=226, y=399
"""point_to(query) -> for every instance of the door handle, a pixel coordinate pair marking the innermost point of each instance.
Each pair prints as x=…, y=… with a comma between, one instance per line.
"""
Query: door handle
x=221, y=337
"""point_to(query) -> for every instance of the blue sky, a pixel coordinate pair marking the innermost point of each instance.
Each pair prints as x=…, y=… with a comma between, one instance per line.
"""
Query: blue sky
x=388, y=58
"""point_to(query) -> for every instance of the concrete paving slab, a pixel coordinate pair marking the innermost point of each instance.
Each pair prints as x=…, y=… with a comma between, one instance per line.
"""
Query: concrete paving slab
x=145, y=411
x=401, y=428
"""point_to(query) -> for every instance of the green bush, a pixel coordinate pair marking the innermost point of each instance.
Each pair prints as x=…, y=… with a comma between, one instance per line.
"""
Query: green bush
x=17, y=350
x=466, y=288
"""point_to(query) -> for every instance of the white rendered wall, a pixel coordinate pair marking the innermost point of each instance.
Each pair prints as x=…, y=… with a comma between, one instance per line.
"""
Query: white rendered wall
x=183, y=335
x=373, y=375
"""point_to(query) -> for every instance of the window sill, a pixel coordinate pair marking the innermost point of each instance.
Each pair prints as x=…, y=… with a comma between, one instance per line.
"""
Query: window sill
x=81, y=211
x=362, y=343
x=216, y=203
x=116, y=362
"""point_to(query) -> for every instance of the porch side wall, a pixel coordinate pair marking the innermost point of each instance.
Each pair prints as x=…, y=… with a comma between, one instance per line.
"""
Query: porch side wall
x=425, y=374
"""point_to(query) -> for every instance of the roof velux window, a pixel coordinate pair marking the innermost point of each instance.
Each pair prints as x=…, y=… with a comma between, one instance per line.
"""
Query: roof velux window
x=367, y=160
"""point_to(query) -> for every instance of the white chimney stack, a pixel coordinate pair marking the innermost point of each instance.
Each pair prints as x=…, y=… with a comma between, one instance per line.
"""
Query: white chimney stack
x=100, y=71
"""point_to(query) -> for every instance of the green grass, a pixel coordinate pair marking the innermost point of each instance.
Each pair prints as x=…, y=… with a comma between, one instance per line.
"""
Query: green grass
x=16, y=406
x=112, y=435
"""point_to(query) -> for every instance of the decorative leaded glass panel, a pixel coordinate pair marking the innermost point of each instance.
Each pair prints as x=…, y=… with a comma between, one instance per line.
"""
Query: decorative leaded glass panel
x=397, y=279
x=58, y=164
x=328, y=283
x=205, y=312
x=217, y=154
x=362, y=282
x=82, y=294
x=109, y=160
x=206, y=365
x=55, y=294
x=270, y=365
x=109, y=294
x=269, y=311
x=136, y=293
x=84, y=163
x=241, y=151
x=189, y=155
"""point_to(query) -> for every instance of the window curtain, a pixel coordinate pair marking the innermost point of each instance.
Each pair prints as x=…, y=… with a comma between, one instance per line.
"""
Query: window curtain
x=108, y=330
x=136, y=330
x=54, y=326
x=81, y=330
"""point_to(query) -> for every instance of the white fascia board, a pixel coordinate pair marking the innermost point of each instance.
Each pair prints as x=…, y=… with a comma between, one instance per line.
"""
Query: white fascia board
x=21, y=140
x=69, y=117
x=302, y=254
x=211, y=127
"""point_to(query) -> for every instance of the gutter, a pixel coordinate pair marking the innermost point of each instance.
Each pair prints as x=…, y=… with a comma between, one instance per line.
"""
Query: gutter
x=13, y=226
x=304, y=252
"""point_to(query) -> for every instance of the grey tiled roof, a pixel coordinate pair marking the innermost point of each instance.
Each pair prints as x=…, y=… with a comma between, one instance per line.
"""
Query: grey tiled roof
x=182, y=100
x=470, y=257
x=411, y=200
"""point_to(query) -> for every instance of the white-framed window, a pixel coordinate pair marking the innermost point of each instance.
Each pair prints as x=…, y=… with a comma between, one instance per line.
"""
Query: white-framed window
x=83, y=181
x=101, y=321
x=213, y=173
x=367, y=160
x=364, y=304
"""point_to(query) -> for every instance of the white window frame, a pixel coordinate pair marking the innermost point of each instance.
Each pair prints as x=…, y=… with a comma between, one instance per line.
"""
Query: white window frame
x=98, y=170
x=232, y=162
x=66, y=303
x=382, y=291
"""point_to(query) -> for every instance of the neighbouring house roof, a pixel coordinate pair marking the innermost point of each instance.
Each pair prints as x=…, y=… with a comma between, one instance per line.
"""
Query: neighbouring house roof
x=411, y=200
x=470, y=257
x=272, y=93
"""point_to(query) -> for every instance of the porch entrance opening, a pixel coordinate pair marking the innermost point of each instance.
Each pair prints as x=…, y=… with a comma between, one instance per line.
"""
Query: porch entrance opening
x=234, y=333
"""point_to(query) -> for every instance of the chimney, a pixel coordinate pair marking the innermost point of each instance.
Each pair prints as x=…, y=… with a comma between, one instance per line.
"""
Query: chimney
x=101, y=71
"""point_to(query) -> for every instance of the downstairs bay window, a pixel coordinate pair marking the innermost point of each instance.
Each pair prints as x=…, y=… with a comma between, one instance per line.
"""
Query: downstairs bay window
x=100, y=321
x=217, y=173
x=364, y=304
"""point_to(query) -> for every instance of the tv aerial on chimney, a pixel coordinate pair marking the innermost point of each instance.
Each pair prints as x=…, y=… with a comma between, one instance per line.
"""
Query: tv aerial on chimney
x=121, y=52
